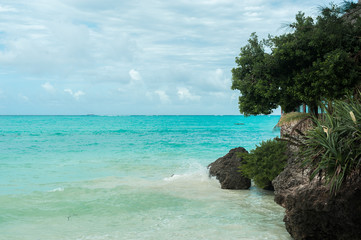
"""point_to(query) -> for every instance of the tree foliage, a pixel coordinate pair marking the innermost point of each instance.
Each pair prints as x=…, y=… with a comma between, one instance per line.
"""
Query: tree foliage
x=347, y=6
x=320, y=58
x=265, y=162
x=254, y=78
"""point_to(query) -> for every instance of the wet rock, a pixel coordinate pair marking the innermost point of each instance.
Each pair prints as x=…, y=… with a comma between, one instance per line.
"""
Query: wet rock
x=226, y=170
x=312, y=212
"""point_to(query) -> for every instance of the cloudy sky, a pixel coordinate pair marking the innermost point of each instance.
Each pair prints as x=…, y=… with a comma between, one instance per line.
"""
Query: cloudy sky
x=122, y=57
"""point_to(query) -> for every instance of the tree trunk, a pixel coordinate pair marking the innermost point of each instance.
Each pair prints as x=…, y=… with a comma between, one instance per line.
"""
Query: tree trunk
x=329, y=107
x=314, y=109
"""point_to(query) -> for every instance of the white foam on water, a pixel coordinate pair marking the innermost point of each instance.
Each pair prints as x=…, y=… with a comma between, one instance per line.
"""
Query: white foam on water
x=192, y=183
x=105, y=237
x=196, y=172
x=191, y=176
x=59, y=189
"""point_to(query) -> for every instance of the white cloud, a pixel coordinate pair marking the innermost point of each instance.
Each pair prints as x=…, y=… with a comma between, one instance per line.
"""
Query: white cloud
x=7, y=9
x=23, y=97
x=76, y=94
x=48, y=87
x=234, y=96
x=219, y=94
x=90, y=44
x=218, y=81
x=135, y=75
x=164, y=98
x=68, y=91
x=184, y=94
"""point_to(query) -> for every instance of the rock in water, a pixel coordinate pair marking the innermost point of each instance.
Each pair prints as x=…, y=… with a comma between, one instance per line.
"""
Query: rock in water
x=312, y=212
x=226, y=170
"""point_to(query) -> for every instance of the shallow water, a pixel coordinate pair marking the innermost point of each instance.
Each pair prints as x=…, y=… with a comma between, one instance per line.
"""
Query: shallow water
x=129, y=177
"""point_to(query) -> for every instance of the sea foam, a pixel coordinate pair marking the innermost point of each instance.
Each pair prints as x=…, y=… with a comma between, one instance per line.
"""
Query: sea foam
x=59, y=189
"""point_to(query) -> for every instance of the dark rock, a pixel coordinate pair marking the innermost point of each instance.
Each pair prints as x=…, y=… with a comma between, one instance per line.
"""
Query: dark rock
x=226, y=170
x=290, y=178
x=312, y=212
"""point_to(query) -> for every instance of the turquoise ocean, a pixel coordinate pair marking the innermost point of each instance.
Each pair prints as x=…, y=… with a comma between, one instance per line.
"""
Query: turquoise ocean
x=129, y=177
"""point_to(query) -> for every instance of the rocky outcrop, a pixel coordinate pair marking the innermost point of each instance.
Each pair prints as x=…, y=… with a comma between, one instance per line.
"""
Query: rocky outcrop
x=291, y=128
x=226, y=170
x=312, y=212
x=353, y=14
x=289, y=179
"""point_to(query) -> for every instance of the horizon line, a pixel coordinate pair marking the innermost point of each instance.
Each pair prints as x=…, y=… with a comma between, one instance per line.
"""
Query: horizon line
x=129, y=115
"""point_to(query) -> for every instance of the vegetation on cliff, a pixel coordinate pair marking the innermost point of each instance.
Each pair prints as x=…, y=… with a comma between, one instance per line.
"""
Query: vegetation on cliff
x=333, y=148
x=265, y=162
x=318, y=63
x=291, y=117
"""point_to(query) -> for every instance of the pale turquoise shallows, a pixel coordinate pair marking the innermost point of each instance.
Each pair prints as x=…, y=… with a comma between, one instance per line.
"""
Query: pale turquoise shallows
x=129, y=177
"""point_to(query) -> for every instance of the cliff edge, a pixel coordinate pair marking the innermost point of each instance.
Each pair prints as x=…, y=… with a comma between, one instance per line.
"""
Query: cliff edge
x=312, y=212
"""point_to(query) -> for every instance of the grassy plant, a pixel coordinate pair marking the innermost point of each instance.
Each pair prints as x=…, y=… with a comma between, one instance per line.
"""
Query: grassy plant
x=333, y=148
x=265, y=162
x=292, y=117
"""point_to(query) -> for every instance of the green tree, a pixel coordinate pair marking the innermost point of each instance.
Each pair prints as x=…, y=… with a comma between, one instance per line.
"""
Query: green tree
x=254, y=79
x=319, y=59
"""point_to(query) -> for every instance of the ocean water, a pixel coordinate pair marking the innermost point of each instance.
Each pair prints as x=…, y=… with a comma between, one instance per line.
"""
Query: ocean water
x=129, y=177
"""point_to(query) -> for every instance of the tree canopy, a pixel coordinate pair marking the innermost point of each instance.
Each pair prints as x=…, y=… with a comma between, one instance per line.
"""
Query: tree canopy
x=320, y=58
